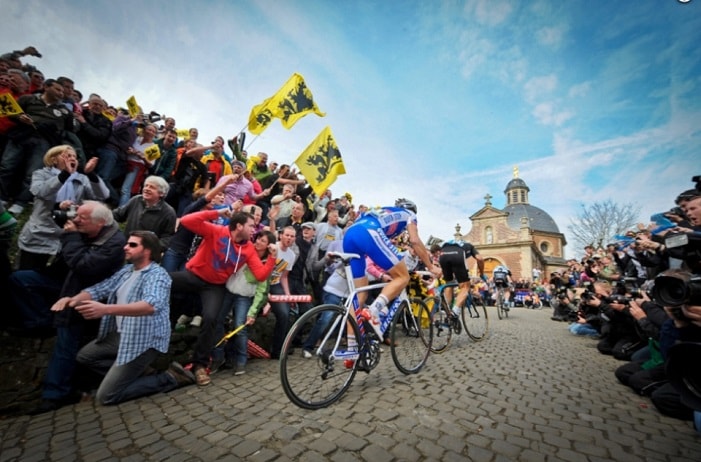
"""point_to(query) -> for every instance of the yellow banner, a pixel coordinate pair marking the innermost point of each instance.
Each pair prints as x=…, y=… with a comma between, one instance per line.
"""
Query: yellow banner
x=291, y=102
x=9, y=106
x=321, y=162
x=133, y=107
x=152, y=153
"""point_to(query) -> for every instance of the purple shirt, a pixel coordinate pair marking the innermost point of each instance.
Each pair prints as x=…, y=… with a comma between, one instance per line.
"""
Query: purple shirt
x=238, y=190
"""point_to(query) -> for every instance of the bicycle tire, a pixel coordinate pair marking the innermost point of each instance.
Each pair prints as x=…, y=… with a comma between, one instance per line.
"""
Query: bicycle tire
x=411, y=335
x=442, y=330
x=500, y=304
x=474, y=319
x=321, y=380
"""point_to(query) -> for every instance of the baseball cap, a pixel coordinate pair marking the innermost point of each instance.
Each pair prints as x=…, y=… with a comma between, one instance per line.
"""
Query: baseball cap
x=239, y=163
x=309, y=224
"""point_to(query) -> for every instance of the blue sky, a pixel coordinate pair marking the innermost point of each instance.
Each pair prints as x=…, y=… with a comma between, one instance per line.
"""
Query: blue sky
x=433, y=101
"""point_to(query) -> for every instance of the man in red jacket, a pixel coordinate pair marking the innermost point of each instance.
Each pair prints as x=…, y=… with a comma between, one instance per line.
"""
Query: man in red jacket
x=223, y=251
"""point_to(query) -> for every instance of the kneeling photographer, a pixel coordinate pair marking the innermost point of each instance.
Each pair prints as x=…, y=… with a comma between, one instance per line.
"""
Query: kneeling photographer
x=680, y=292
x=619, y=335
x=561, y=299
x=645, y=373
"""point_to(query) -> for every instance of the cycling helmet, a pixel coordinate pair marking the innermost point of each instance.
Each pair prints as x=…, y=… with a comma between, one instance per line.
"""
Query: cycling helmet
x=405, y=204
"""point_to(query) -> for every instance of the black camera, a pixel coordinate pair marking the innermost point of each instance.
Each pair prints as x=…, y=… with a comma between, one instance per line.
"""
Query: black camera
x=62, y=216
x=676, y=288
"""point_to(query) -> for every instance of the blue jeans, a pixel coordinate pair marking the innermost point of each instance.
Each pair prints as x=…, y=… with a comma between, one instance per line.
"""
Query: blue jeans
x=322, y=322
x=58, y=382
x=109, y=168
x=31, y=294
x=237, y=347
x=583, y=329
x=125, y=193
x=20, y=159
x=126, y=381
x=173, y=261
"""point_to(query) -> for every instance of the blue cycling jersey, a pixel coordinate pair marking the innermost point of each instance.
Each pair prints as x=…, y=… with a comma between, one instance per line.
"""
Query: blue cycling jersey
x=391, y=220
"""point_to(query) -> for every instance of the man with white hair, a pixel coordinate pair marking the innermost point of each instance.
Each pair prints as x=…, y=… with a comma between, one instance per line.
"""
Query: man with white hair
x=149, y=211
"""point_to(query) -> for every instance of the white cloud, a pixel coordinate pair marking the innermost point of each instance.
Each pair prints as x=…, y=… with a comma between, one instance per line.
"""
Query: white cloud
x=551, y=36
x=489, y=12
x=537, y=87
x=547, y=114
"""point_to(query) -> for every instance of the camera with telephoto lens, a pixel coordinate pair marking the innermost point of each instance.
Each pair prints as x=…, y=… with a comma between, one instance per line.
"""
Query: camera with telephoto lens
x=62, y=216
x=675, y=288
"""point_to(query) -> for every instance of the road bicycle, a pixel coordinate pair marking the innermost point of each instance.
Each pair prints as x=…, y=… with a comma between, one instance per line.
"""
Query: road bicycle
x=473, y=318
x=319, y=381
x=502, y=309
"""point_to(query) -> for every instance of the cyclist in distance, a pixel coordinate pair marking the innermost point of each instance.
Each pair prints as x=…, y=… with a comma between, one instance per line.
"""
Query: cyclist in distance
x=502, y=278
x=370, y=236
x=453, y=261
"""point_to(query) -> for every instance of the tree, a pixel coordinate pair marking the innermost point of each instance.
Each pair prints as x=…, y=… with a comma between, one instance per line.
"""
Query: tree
x=598, y=223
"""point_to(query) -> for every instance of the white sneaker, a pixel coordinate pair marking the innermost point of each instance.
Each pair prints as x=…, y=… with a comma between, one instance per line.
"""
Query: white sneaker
x=307, y=354
x=183, y=319
x=456, y=311
x=196, y=321
x=16, y=209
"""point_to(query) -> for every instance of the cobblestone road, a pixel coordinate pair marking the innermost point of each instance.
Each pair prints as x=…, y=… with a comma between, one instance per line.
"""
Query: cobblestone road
x=529, y=392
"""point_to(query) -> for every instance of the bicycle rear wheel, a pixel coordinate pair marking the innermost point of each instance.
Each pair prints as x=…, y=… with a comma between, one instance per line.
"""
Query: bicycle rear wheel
x=442, y=330
x=474, y=319
x=499, y=304
x=316, y=382
x=411, y=335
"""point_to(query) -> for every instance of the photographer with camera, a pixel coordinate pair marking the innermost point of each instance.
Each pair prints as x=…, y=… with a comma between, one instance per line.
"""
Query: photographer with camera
x=619, y=336
x=58, y=189
x=680, y=292
x=645, y=372
x=561, y=299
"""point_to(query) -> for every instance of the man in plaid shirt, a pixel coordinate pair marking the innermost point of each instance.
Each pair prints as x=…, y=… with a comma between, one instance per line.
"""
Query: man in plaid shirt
x=134, y=326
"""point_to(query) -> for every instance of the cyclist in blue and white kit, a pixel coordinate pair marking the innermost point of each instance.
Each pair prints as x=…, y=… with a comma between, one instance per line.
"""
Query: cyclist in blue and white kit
x=370, y=236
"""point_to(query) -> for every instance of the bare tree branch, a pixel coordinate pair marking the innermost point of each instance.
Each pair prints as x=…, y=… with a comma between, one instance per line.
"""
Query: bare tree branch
x=599, y=222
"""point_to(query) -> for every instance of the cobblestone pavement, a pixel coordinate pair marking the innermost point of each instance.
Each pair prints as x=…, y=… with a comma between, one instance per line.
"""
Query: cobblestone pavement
x=529, y=392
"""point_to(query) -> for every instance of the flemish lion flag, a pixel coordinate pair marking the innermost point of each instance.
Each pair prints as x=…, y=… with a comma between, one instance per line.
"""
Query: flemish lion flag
x=291, y=102
x=321, y=162
x=9, y=106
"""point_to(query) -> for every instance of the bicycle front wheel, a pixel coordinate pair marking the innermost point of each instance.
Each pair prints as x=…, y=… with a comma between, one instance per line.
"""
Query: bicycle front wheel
x=411, y=335
x=474, y=319
x=442, y=330
x=316, y=382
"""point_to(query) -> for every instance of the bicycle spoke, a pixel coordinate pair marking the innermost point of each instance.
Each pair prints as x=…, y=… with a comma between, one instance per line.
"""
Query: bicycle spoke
x=319, y=381
x=411, y=335
x=442, y=328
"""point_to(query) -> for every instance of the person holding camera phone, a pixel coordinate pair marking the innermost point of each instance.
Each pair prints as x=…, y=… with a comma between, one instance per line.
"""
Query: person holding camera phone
x=58, y=189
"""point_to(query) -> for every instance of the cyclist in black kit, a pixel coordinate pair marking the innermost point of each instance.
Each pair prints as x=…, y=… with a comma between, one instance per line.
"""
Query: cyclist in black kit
x=453, y=261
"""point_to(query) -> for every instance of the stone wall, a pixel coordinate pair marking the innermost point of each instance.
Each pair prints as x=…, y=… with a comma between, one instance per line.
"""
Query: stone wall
x=23, y=363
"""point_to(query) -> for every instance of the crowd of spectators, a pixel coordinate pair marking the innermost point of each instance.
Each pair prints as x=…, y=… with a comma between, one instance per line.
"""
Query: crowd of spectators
x=206, y=234
x=640, y=299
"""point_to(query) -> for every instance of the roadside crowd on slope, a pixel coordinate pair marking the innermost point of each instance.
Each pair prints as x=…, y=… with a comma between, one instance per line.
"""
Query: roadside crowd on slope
x=640, y=298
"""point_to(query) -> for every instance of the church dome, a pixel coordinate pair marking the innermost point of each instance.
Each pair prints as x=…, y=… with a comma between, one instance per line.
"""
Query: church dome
x=538, y=219
x=516, y=183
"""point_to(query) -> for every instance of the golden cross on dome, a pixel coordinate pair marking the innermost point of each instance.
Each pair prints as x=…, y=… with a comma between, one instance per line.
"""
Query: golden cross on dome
x=488, y=199
x=515, y=171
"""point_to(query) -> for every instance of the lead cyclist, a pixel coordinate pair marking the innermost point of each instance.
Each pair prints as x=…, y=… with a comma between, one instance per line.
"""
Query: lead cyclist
x=371, y=236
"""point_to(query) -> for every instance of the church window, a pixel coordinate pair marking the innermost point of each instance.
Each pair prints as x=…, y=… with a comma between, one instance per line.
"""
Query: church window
x=489, y=235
